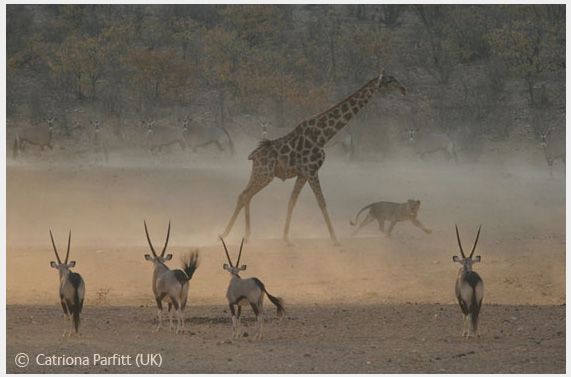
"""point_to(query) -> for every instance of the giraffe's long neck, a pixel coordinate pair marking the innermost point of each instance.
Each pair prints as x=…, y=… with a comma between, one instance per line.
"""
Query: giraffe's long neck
x=329, y=122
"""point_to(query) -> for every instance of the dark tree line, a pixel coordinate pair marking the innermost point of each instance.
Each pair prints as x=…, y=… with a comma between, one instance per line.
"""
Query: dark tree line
x=276, y=60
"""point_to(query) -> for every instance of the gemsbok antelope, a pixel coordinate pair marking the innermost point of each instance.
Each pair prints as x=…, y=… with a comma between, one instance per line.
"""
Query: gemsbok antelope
x=34, y=135
x=247, y=292
x=469, y=288
x=71, y=288
x=197, y=136
x=98, y=141
x=553, y=147
x=158, y=138
x=432, y=142
x=171, y=285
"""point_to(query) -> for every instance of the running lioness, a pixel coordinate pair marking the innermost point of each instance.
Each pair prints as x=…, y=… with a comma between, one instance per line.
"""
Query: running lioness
x=393, y=212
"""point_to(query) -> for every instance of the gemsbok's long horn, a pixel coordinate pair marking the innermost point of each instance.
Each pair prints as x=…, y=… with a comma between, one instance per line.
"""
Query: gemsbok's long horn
x=68, y=243
x=476, y=242
x=459, y=242
x=240, y=254
x=226, y=250
x=55, y=248
x=149, y=239
x=167, y=240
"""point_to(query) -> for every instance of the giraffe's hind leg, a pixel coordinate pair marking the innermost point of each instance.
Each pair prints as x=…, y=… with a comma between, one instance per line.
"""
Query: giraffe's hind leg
x=316, y=187
x=299, y=183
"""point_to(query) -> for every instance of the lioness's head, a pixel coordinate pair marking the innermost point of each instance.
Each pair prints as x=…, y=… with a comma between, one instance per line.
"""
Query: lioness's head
x=413, y=206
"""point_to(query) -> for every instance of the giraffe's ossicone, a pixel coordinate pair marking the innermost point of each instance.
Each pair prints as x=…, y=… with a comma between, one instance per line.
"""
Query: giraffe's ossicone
x=300, y=153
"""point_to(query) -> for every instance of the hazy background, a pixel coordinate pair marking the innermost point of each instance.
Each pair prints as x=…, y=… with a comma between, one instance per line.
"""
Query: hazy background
x=490, y=77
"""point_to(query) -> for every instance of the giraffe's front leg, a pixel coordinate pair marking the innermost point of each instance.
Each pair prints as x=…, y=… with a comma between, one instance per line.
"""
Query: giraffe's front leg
x=258, y=185
x=299, y=183
x=239, y=206
x=316, y=187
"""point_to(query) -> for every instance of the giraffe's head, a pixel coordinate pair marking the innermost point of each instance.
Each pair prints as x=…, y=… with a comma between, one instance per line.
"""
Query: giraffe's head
x=391, y=83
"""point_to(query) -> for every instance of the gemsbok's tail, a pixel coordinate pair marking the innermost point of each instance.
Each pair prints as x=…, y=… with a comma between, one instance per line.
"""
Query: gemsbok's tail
x=278, y=302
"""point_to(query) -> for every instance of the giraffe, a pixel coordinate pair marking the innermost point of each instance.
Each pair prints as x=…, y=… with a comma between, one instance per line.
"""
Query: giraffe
x=300, y=153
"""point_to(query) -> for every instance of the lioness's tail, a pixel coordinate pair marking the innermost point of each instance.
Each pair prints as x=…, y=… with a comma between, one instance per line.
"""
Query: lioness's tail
x=359, y=213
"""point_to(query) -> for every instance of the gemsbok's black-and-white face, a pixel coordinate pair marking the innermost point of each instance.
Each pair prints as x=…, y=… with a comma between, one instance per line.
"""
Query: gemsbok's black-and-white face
x=230, y=267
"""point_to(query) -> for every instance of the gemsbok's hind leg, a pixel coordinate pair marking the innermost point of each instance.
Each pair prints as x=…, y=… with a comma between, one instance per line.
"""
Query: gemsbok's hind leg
x=159, y=312
x=181, y=320
x=465, y=325
x=238, y=316
x=66, y=312
x=170, y=315
x=259, y=320
x=234, y=320
x=177, y=309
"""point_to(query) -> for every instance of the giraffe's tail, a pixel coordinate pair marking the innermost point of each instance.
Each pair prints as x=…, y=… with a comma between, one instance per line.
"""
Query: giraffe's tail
x=263, y=144
x=359, y=213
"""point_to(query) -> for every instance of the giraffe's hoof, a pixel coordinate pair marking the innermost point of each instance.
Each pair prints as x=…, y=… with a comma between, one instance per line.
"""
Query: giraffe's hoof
x=288, y=242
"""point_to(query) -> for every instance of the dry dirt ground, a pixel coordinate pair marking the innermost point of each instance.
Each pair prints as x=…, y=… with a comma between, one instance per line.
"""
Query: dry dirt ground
x=381, y=338
x=371, y=305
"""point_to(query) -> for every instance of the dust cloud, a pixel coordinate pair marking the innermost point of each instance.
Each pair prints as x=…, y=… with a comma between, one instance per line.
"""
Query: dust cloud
x=521, y=209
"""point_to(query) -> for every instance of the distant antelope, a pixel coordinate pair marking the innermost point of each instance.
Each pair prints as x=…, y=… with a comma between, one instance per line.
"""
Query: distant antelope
x=159, y=137
x=431, y=143
x=247, y=291
x=98, y=141
x=553, y=147
x=197, y=136
x=469, y=288
x=171, y=285
x=342, y=138
x=35, y=135
x=71, y=288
